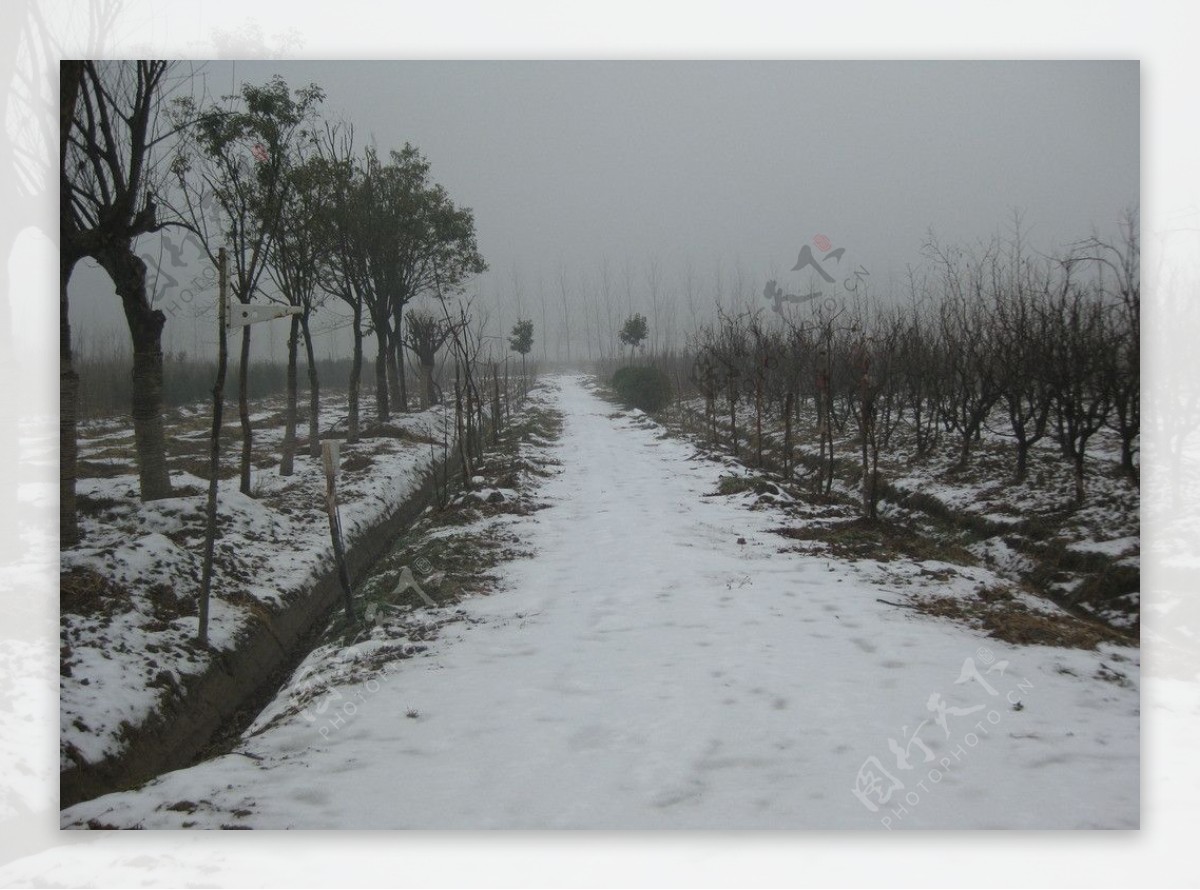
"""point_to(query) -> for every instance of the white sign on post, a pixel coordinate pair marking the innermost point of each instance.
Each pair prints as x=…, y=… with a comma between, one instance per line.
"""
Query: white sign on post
x=330, y=449
x=242, y=314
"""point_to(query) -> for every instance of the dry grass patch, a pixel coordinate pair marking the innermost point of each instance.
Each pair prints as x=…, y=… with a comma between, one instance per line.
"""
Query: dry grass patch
x=1003, y=617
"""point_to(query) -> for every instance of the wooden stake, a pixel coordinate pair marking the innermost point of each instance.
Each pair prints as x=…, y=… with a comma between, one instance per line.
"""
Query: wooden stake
x=214, y=461
x=329, y=457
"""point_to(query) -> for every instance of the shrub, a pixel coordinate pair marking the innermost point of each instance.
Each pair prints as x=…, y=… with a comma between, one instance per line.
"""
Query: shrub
x=641, y=387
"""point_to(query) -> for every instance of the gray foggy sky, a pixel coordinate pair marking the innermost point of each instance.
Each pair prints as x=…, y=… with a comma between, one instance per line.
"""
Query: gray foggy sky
x=737, y=163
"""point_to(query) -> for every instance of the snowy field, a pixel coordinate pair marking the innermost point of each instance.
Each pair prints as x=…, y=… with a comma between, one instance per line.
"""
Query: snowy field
x=128, y=622
x=665, y=660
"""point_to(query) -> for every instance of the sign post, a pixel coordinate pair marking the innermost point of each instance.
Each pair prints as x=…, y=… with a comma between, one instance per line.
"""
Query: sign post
x=227, y=319
x=214, y=460
x=330, y=450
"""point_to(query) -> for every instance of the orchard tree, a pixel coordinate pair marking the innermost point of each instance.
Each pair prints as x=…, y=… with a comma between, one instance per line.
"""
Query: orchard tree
x=1119, y=262
x=234, y=175
x=1074, y=364
x=972, y=381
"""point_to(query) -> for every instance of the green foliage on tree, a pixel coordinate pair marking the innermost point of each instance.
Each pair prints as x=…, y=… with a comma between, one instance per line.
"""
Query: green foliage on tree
x=234, y=173
x=634, y=331
x=521, y=339
x=416, y=241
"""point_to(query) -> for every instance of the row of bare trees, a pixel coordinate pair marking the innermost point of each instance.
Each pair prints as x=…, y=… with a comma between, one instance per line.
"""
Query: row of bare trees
x=303, y=216
x=996, y=339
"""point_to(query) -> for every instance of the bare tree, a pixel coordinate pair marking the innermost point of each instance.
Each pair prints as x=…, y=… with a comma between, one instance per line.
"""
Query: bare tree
x=880, y=400
x=1074, y=363
x=70, y=253
x=964, y=327
x=920, y=371
x=1122, y=261
x=1021, y=331
x=111, y=180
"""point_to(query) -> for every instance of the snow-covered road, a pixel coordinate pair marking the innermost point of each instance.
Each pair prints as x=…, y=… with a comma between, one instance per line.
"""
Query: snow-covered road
x=648, y=669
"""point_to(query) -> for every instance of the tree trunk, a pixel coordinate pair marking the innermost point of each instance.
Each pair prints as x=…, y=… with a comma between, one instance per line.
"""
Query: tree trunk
x=395, y=378
x=396, y=361
x=128, y=274
x=1127, y=429
x=964, y=451
x=149, y=435
x=427, y=381
x=68, y=390
x=403, y=381
x=1127, y=465
x=1080, y=457
x=1023, y=446
x=382, y=403
x=458, y=431
x=287, y=459
x=244, y=412
x=314, y=392
x=355, y=378
x=873, y=513
x=70, y=78
x=214, y=452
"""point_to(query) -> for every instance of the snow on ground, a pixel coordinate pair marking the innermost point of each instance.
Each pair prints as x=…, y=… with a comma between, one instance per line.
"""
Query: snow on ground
x=1037, y=514
x=660, y=663
x=125, y=647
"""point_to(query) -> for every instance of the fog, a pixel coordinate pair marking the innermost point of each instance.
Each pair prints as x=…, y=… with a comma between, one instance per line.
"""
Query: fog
x=713, y=173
